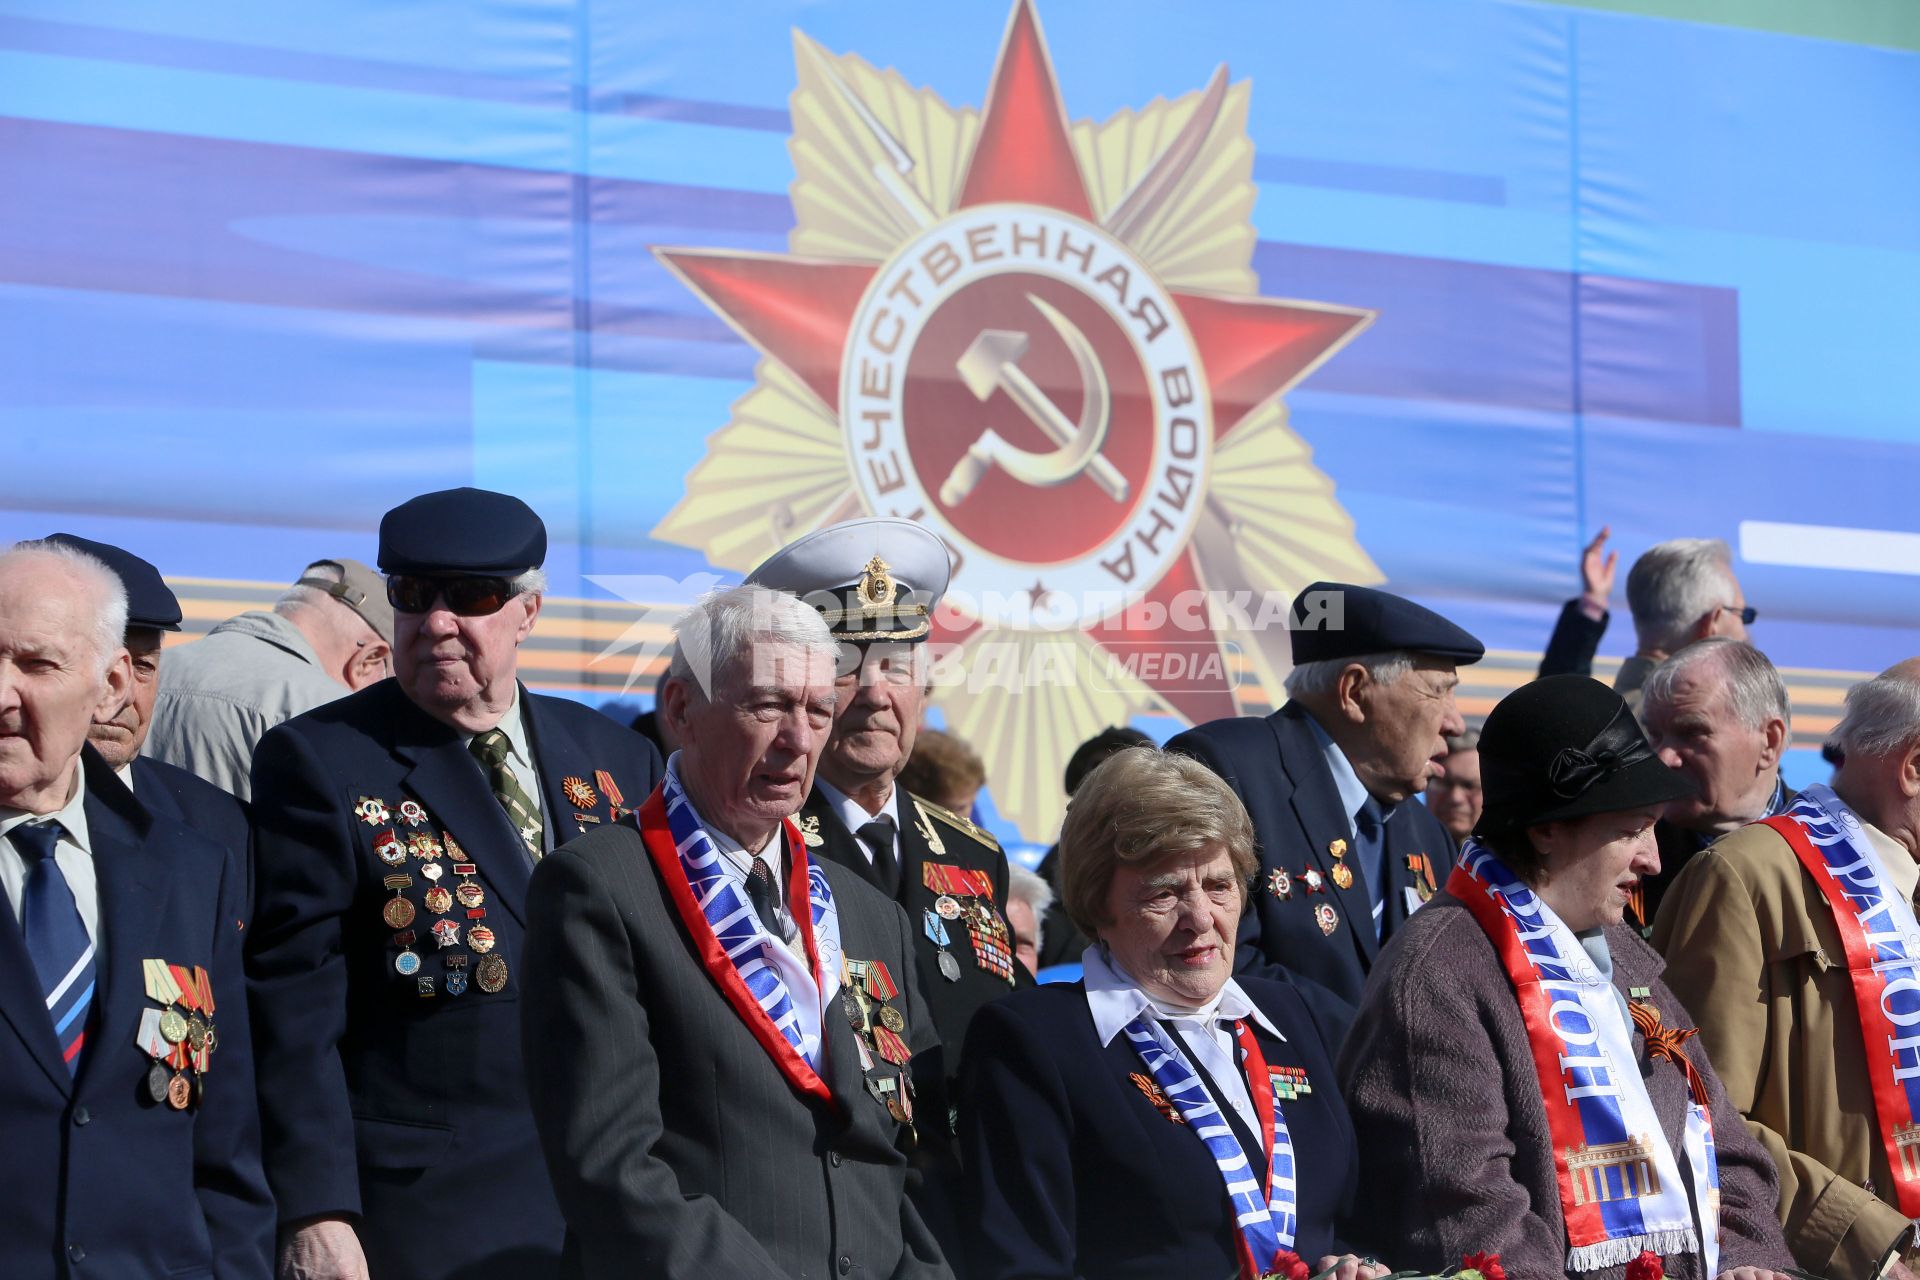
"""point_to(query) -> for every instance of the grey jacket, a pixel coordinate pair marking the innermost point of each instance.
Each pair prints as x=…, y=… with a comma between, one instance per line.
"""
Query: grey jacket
x=220, y=694
x=1455, y=1155
x=677, y=1148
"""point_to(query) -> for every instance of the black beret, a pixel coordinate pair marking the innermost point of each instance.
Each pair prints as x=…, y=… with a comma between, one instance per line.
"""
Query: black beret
x=462, y=531
x=1334, y=620
x=150, y=601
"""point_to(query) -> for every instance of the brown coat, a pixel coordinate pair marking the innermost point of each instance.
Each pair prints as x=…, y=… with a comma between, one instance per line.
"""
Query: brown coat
x=1755, y=954
x=1455, y=1155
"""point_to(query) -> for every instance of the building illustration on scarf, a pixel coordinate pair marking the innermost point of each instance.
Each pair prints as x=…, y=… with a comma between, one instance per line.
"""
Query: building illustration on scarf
x=1613, y=1171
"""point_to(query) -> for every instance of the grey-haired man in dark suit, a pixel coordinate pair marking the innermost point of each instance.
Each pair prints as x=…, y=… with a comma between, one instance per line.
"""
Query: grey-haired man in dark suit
x=718, y=1027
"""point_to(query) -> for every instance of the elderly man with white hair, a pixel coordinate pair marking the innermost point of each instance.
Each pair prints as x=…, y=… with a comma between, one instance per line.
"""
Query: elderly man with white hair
x=1794, y=945
x=1680, y=591
x=1717, y=711
x=717, y=1025
x=132, y=1143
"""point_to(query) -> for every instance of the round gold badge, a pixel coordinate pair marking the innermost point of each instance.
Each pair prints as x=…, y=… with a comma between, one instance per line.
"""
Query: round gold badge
x=491, y=973
x=179, y=1093
x=173, y=1026
x=398, y=913
x=891, y=1019
x=480, y=938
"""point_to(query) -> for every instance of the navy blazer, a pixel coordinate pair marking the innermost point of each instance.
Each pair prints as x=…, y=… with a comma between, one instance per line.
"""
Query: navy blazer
x=394, y=1096
x=1276, y=767
x=97, y=1178
x=1072, y=1172
x=168, y=791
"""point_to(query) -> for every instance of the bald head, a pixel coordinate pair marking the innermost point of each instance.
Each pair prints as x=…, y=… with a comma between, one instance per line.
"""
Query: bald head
x=62, y=665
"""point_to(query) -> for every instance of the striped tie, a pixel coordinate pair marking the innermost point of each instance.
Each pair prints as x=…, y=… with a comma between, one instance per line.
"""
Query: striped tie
x=491, y=749
x=56, y=938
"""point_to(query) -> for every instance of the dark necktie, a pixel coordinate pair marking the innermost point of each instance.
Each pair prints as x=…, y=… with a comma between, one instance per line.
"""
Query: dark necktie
x=760, y=891
x=878, y=837
x=1370, y=840
x=491, y=750
x=56, y=938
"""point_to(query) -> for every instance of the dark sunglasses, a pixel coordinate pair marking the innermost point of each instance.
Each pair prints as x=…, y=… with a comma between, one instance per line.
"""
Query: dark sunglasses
x=1747, y=613
x=469, y=597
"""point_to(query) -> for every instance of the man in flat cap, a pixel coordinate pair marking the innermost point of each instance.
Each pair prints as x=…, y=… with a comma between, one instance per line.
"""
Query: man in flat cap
x=152, y=611
x=1346, y=853
x=328, y=634
x=396, y=830
x=132, y=1143
x=877, y=582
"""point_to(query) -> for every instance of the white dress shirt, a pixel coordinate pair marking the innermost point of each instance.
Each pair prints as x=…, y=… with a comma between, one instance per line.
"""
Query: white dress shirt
x=1115, y=1000
x=73, y=854
x=854, y=815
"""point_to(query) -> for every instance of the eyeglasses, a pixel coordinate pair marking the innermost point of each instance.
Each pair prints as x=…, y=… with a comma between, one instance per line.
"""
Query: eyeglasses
x=1746, y=611
x=469, y=597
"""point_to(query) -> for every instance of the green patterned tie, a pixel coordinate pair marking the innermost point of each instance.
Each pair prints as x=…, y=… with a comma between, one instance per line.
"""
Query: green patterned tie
x=491, y=750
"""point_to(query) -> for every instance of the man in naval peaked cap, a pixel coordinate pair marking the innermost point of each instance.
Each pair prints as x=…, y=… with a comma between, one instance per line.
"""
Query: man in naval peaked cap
x=1346, y=851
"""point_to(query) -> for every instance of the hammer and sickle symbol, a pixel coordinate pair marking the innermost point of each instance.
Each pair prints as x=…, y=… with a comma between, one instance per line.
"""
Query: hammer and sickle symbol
x=991, y=363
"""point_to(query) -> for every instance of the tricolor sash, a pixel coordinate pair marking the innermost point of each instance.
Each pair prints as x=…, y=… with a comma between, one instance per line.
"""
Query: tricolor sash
x=1620, y=1186
x=1265, y=1216
x=732, y=942
x=1882, y=943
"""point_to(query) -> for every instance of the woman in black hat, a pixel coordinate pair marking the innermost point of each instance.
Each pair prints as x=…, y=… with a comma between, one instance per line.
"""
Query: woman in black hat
x=1547, y=1102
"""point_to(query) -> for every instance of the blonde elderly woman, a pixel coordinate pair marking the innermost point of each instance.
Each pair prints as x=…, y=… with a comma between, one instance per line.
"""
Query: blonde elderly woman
x=1547, y=1101
x=1157, y=1118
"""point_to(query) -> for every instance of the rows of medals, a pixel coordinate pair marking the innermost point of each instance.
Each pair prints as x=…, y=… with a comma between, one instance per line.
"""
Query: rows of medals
x=455, y=912
x=178, y=1034
x=867, y=993
x=964, y=898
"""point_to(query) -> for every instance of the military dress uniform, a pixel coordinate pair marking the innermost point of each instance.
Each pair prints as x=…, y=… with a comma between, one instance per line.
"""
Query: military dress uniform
x=385, y=955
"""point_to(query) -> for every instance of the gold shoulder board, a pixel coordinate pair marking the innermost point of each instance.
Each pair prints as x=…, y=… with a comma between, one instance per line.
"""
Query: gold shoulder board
x=958, y=823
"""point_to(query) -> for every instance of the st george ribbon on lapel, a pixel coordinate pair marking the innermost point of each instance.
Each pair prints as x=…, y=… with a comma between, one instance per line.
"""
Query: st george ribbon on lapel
x=56, y=939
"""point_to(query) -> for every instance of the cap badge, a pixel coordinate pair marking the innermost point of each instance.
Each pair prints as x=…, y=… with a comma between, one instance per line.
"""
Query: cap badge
x=877, y=587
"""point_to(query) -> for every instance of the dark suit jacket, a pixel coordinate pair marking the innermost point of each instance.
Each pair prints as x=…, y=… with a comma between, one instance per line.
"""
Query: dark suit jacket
x=953, y=1003
x=168, y=791
x=1575, y=639
x=98, y=1179
x=1072, y=1172
x=678, y=1149
x=1276, y=767
x=377, y=1099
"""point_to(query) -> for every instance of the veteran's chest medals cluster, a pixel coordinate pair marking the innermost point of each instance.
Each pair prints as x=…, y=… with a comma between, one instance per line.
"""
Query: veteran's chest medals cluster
x=178, y=1033
x=440, y=940
x=867, y=995
x=963, y=899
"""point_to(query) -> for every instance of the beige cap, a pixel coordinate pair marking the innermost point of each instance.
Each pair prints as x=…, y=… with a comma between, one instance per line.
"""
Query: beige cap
x=357, y=586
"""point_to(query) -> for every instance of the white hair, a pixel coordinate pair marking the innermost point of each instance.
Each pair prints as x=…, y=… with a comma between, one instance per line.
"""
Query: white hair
x=1754, y=689
x=1672, y=585
x=1028, y=887
x=1882, y=717
x=1316, y=678
x=721, y=625
x=108, y=594
x=531, y=583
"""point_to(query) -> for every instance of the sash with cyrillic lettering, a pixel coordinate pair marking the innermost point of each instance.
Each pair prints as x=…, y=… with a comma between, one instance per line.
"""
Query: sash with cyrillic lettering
x=1265, y=1216
x=1882, y=942
x=731, y=939
x=1620, y=1186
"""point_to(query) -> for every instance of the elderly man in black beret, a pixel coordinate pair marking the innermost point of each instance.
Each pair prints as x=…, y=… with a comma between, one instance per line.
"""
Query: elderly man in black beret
x=166, y=790
x=396, y=832
x=1346, y=855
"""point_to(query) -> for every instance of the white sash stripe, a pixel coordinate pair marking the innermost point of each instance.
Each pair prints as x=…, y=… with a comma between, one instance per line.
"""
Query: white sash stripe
x=79, y=966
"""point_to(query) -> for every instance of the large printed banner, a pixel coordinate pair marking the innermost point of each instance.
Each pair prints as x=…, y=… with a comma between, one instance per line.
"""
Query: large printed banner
x=1156, y=313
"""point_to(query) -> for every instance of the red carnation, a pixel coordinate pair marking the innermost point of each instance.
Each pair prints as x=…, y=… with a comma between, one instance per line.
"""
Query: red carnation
x=1646, y=1267
x=1288, y=1266
x=1487, y=1264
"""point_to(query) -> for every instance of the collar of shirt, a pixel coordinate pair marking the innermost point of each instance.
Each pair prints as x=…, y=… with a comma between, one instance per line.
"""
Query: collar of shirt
x=72, y=815
x=1115, y=999
x=854, y=815
x=1353, y=792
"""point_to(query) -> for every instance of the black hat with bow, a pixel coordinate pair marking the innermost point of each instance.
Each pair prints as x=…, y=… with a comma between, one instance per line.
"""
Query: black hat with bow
x=1565, y=747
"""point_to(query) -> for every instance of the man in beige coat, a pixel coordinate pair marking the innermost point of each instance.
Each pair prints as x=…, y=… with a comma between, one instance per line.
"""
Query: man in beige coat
x=1754, y=951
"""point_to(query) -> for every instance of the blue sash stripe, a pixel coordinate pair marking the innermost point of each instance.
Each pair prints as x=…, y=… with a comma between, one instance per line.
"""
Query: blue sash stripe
x=735, y=924
x=1266, y=1227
